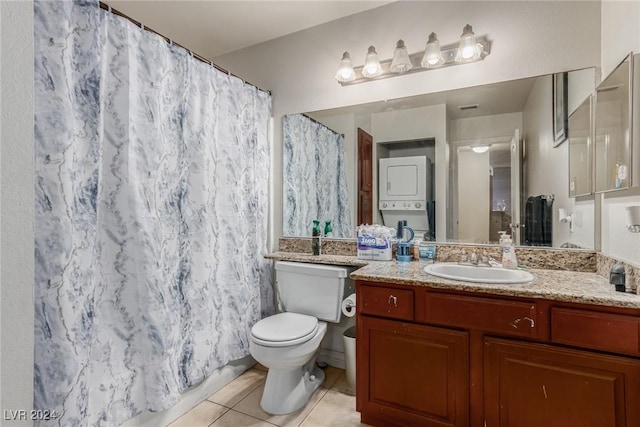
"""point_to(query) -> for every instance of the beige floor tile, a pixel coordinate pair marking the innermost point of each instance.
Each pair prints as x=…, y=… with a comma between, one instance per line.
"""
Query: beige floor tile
x=201, y=416
x=260, y=367
x=239, y=388
x=335, y=409
x=331, y=375
x=250, y=405
x=238, y=419
x=342, y=385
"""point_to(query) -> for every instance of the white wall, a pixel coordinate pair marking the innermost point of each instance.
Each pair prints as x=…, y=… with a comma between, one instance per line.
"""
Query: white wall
x=620, y=32
x=620, y=28
x=299, y=68
x=17, y=208
x=485, y=127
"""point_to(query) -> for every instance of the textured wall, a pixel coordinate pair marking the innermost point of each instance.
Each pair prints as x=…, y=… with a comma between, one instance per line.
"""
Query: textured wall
x=16, y=115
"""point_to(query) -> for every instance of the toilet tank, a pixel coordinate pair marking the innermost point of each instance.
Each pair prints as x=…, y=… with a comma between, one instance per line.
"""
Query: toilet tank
x=313, y=289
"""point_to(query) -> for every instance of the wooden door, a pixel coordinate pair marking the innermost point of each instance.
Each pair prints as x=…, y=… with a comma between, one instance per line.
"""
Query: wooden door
x=411, y=375
x=536, y=385
x=365, y=178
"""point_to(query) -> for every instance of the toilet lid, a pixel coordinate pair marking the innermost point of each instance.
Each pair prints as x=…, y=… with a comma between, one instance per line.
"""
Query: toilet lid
x=284, y=329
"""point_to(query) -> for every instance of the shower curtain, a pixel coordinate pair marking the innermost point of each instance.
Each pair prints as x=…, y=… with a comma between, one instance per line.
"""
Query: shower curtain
x=315, y=178
x=151, y=216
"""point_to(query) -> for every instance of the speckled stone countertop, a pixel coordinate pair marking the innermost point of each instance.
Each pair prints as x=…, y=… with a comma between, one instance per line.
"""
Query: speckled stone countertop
x=569, y=286
x=318, y=259
x=557, y=285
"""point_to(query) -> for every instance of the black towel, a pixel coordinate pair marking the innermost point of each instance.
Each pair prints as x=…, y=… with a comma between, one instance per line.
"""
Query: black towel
x=538, y=220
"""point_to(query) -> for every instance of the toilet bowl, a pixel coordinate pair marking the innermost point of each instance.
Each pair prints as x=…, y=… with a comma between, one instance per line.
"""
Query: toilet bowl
x=292, y=377
x=288, y=343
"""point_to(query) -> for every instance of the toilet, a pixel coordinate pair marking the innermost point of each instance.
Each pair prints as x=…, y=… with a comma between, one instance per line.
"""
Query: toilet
x=288, y=343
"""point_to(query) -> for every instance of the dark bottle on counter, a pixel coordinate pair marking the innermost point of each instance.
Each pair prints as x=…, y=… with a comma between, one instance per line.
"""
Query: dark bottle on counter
x=328, y=231
x=315, y=237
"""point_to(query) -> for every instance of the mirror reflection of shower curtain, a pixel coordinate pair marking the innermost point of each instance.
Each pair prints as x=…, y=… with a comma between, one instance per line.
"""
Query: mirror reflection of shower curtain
x=151, y=207
x=315, y=178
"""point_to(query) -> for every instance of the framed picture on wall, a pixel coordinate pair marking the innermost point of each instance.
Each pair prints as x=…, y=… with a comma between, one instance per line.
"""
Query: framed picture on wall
x=560, y=116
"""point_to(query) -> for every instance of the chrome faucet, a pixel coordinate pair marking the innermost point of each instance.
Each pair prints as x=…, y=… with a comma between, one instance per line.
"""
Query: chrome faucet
x=474, y=258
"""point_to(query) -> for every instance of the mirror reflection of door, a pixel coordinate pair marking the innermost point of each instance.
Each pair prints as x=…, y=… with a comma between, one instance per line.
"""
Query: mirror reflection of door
x=474, y=196
x=489, y=200
x=365, y=177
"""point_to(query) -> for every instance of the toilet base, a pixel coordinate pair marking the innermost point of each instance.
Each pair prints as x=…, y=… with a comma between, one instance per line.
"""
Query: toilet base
x=286, y=391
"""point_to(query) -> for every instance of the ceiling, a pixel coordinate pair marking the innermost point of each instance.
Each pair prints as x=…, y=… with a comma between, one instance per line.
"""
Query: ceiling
x=215, y=27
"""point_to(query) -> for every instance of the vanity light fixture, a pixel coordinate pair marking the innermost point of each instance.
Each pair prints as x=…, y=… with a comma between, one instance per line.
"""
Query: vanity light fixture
x=470, y=48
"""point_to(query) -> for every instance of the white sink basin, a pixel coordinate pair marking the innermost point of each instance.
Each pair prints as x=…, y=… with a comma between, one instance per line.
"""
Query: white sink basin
x=471, y=273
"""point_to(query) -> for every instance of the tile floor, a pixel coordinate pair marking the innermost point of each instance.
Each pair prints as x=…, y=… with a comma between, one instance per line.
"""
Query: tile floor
x=237, y=404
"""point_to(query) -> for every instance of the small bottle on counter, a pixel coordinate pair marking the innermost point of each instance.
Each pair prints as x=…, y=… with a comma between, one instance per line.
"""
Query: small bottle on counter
x=315, y=237
x=328, y=231
x=509, y=259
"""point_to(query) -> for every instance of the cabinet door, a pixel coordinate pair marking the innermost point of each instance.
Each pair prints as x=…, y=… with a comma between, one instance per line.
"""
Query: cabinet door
x=411, y=375
x=536, y=385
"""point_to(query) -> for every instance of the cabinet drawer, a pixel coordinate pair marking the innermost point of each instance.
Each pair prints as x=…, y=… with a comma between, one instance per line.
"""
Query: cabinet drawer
x=486, y=314
x=601, y=331
x=387, y=302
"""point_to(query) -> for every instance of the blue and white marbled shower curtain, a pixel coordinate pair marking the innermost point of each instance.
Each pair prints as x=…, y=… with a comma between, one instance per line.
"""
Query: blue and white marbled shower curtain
x=151, y=216
x=315, y=178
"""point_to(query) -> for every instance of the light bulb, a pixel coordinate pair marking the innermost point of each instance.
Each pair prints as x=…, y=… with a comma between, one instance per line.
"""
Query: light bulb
x=469, y=50
x=372, y=67
x=345, y=71
x=432, y=55
x=401, y=62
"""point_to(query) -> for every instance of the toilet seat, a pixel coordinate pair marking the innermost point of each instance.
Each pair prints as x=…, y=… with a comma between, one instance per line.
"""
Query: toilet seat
x=284, y=329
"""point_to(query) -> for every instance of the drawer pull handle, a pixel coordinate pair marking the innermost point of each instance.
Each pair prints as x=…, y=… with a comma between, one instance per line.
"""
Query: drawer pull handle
x=394, y=299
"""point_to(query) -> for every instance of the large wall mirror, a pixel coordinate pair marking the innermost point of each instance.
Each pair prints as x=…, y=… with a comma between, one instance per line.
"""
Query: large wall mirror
x=491, y=165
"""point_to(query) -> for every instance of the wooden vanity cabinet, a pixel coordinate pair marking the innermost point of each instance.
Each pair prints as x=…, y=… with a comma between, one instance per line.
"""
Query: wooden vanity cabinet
x=537, y=385
x=432, y=357
x=408, y=374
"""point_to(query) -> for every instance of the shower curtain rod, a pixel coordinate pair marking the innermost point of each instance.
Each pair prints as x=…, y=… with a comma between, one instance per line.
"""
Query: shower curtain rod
x=110, y=9
x=323, y=125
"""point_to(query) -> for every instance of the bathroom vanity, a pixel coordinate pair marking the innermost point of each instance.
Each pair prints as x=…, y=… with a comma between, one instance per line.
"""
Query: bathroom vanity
x=563, y=350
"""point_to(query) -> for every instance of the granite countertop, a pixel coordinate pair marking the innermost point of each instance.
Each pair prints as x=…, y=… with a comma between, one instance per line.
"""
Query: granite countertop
x=318, y=259
x=569, y=286
x=557, y=285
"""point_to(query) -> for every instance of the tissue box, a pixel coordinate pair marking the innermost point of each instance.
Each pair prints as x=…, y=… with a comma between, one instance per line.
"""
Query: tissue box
x=377, y=248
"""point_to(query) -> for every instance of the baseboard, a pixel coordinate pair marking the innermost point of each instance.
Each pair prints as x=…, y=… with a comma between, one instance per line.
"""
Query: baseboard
x=332, y=358
x=194, y=396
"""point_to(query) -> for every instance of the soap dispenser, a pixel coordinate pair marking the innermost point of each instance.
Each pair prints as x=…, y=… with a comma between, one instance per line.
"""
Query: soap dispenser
x=509, y=259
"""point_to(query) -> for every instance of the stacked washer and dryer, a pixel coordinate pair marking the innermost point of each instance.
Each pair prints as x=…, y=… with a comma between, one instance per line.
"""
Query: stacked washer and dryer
x=405, y=192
